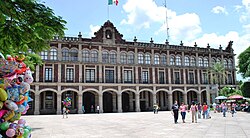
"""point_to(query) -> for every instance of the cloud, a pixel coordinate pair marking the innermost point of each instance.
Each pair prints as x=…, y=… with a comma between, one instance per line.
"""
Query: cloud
x=246, y=12
x=219, y=9
x=143, y=15
x=93, y=29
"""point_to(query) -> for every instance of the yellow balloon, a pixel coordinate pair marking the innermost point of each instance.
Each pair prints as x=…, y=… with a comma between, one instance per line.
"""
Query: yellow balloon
x=3, y=95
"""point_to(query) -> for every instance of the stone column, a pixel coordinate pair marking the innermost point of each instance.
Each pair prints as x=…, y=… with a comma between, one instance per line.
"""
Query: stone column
x=59, y=72
x=100, y=73
x=170, y=101
x=37, y=73
x=169, y=76
x=184, y=76
x=59, y=104
x=100, y=99
x=208, y=94
x=59, y=56
x=131, y=107
x=80, y=53
x=114, y=102
x=80, y=103
x=198, y=76
x=153, y=75
x=80, y=74
x=185, y=98
x=154, y=99
x=136, y=56
x=137, y=100
x=119, y=75
x=37, y=101
x=119, y=99
x=136, y=75
x=199, y=97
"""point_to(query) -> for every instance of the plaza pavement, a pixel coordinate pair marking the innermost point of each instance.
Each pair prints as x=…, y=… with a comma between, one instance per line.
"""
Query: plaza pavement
x=138, y=125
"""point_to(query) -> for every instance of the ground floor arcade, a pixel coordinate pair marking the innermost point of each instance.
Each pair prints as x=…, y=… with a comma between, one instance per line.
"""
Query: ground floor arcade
x=49, y=101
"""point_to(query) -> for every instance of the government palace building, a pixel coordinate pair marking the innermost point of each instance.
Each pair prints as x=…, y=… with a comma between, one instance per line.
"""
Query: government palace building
x=125, y=76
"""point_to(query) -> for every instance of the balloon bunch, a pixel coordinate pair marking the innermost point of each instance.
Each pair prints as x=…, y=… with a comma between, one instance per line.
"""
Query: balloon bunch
x=66, y=102
x=15, y=80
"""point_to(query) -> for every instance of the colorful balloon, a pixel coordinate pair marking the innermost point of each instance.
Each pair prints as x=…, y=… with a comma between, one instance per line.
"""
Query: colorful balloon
x=10, y=132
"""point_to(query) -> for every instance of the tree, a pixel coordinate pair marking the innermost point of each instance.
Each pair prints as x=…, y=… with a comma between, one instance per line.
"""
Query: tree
x=218, y=72
x=244, y=63
x=228, y=91
x=245, y=88
x=27, y=25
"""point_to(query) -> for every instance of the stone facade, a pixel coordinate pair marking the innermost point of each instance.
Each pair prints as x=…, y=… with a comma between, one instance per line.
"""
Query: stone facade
x=123, y=76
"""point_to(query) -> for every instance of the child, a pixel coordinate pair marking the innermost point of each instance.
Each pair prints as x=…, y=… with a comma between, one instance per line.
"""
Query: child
x=65, y=112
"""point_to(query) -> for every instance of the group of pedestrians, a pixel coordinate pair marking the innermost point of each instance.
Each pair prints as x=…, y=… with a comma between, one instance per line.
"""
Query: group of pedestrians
x=195, y=109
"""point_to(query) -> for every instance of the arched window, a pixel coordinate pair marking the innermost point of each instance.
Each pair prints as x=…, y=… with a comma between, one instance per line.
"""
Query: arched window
x=201, y=62
x=85, y=56
x=123, y=58
x=44, y=55
x=193, y=61
x=213, y=61
x=230, y=64
x=225, y=63
x=94, y=56
x=171, y=60
x=178, y=60
x=105, y=57
x=65, y=54
x=187, y=61
x=112, y=57
x=163, y=59
x=53, y=54
x=130, y=58
x=205, y=62
x=140, y=58
x=157, y=59
x=73, y=55
x=147, y=59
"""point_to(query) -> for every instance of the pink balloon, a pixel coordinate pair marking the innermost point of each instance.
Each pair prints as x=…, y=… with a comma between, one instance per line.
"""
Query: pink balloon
x=3, y=112
x=10, y=132
x=21, y=121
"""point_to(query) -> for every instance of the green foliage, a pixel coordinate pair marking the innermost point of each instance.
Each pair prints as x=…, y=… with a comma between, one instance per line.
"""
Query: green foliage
x=27, y=25
x=244, y=63
x=218, y=72
x=228, y=91
x=245, y=88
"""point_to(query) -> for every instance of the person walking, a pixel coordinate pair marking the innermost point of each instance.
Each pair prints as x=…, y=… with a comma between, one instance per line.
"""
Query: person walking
x=233, y=109
x=65, y=112
x=98, y=109
x=175, y=109
x=83, y=109
x=156, y=108
x=204, y=110
x=92, y=109
x=183, y=108
x=199, y=110
x=194, y=110
x=224, y=108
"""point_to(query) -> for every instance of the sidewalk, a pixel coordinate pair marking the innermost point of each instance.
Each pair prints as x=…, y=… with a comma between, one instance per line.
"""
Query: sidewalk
x=138, y=125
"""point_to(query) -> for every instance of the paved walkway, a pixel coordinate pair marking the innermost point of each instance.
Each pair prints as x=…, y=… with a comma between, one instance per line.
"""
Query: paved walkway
x=138, y=125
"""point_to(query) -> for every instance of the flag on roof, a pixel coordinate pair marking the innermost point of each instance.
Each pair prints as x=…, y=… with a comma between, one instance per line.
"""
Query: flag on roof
x=111, y=2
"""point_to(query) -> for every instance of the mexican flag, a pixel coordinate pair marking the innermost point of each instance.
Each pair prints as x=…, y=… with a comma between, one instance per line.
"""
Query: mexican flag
x=111, y=2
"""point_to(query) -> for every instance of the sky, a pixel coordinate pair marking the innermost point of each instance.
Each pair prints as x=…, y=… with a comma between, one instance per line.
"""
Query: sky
x=202, y=21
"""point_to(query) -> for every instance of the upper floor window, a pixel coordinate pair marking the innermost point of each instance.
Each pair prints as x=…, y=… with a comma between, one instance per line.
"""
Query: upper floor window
x=130, y=58
x=229, y=79
x=145, y=77
x=127, y=76
x=69, y=74
x=140, y=58
x=187, y=61
x=73, y=55
x=205, y=62
x=200, y=62
x=177, y=77
x=164, y=59
x=90, y=75
x=109, y=76
x=193, y=61
x=123, y=58
x=213, y=61
x=230, y=64
x=65, y=54
x=157, y=59
x=44, y=55
x=172, y=60
x=191, y=78
x=161, y=77
x=147, y=59
x=48, y=74
x=85, y=55
x=225, y=63
x=105, y=57
x=94, y=56
x=53, y=54
x=204, y=78
x=178, y=61
x=112, y=57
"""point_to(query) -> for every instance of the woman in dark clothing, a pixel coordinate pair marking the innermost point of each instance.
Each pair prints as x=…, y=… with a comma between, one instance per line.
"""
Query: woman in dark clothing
x=175, y=109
